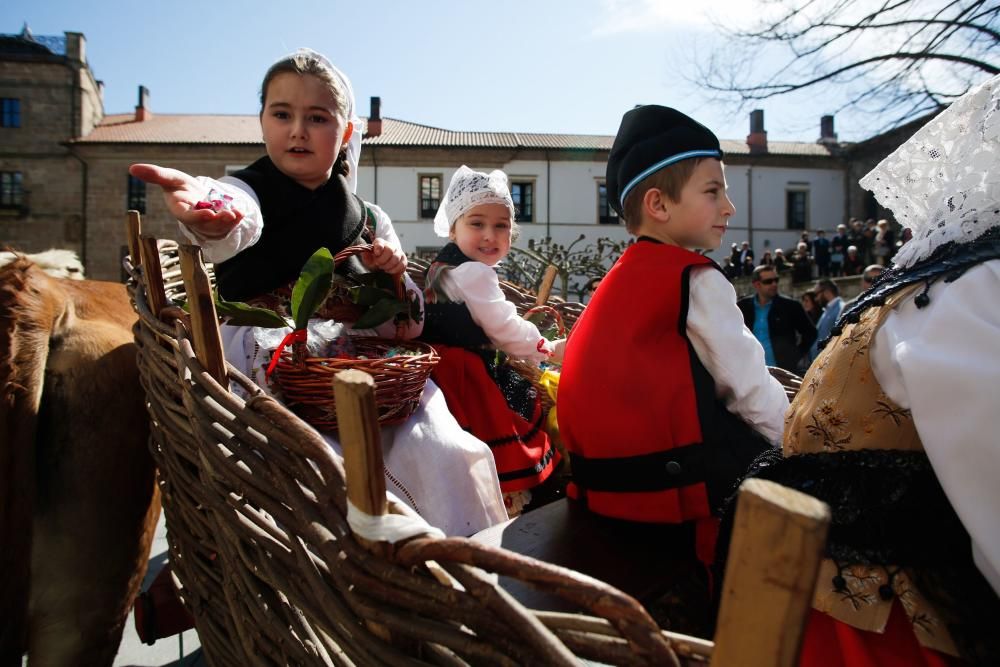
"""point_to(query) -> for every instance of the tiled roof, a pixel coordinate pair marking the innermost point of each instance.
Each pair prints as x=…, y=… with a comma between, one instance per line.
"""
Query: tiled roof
x=26, y=43
x=732, y=147
x=197, y=129
x=175, y=129
x=403, y=133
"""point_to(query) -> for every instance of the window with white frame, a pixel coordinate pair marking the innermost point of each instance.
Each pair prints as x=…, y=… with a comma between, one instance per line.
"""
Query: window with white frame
x=796, y=208
x=430, y=194
x=606, y=215
x=523, y=194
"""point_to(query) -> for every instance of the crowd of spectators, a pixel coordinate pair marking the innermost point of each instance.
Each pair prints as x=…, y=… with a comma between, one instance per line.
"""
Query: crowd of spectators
x=855, y=245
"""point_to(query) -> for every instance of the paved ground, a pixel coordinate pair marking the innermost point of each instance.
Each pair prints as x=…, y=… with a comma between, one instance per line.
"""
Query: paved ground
x=182, y=650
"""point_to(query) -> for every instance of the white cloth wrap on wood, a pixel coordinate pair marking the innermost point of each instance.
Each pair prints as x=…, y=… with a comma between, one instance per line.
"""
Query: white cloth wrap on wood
x=388, y=527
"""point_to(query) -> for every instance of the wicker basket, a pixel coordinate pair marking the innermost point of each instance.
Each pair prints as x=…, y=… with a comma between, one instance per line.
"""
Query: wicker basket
x=307, y=382
x=531, y=372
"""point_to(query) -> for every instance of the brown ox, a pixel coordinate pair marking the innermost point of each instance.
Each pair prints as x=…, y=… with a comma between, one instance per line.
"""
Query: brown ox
x=78, y=502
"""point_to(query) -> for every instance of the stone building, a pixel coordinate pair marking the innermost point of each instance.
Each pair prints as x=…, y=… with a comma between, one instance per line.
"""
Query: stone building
x=65, y=183
x=48, y=95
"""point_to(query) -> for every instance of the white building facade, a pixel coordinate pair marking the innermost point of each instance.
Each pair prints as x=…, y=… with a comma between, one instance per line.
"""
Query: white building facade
x=779, y=191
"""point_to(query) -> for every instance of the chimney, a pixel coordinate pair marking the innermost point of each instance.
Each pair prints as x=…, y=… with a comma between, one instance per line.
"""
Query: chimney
x=757, y=139
x=826, y=133
x=374, y=127
x=76, y=46
x=142, y=111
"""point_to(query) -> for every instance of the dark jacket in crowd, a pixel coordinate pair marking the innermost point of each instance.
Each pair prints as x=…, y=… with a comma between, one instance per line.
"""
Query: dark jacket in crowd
x=792, y=333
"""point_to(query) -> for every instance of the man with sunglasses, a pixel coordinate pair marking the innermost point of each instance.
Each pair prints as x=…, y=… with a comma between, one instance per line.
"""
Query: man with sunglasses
x=779, y=323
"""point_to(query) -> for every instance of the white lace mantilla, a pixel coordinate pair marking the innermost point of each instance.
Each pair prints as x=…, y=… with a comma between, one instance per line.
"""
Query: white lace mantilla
x=944, y=183
x=471, y=188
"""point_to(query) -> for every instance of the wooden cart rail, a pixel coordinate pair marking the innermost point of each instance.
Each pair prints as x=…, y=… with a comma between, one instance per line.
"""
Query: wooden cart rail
x=266, y=561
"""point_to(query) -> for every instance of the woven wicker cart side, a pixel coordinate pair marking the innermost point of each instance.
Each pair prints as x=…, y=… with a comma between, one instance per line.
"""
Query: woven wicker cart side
x=256, y=512
x=191, y=536
x=255, y=504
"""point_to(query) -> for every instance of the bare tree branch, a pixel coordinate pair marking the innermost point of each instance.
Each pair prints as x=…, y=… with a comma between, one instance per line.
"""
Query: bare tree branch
x=898, y=58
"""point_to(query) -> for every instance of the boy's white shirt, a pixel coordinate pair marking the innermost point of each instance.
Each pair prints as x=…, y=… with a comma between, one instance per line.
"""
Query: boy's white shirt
x=942, y=362
x=477, y=286
x=732, y=355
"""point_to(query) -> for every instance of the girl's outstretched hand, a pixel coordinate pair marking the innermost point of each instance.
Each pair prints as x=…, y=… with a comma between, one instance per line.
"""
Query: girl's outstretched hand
x=384, y=257
x=181, y=192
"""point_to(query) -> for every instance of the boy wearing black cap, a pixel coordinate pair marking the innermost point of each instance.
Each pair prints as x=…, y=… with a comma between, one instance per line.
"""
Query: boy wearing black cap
x=664, y=398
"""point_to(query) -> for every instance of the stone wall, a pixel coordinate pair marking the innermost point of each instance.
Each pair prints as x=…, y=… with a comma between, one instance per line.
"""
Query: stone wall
x=52, y=177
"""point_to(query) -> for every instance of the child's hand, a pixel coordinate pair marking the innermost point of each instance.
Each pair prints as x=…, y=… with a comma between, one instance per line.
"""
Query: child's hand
x=558, y=349
x=181, y=192
x=384, y=257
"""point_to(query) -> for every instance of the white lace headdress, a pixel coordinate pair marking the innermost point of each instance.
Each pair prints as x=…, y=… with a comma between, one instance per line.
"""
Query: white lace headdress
x=354, y=145
x=470, y=188
x=944, y=183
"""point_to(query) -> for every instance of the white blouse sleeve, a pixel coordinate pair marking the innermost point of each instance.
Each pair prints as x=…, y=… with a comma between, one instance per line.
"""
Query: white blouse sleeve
x=942, y=362
x=385, y=231
x=477, y=285
x=732, y=356
x=243, y=235
x=383, y=226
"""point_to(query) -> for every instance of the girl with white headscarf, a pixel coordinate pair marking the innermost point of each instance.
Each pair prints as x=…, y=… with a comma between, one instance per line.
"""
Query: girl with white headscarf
x=269, y=218
x=470, y=323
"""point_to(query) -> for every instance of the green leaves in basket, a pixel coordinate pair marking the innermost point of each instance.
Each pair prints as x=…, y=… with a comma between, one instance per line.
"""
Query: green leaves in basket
x=379, y=279
x=242, y=315
x=239, y=314
x=377, y=293
x=365, y=295
x=312, y=287
x=381, y=311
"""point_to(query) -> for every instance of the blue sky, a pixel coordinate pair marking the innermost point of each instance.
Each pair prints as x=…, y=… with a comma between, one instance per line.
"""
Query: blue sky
x=568, y=66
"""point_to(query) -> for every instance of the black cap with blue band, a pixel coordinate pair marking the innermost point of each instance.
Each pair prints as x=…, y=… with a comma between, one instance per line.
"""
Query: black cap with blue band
x=650, y=138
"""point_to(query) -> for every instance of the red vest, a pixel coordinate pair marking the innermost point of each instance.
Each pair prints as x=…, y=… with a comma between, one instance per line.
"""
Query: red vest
x=628, y=407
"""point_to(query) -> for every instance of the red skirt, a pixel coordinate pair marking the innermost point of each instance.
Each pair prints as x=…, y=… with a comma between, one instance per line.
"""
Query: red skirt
x=830, y=643
x=523, y=453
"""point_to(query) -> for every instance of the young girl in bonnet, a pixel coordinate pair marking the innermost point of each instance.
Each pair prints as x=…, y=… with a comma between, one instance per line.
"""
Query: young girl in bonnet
x=281, y=209
x=468, y=319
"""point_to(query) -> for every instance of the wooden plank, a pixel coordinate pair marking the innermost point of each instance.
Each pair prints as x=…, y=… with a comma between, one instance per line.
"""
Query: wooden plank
x=361, y=442
x=133, y=228
x=360, y=438
x=204, y=319
x=152, y=274
x=777, y=545
x=545, y=289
